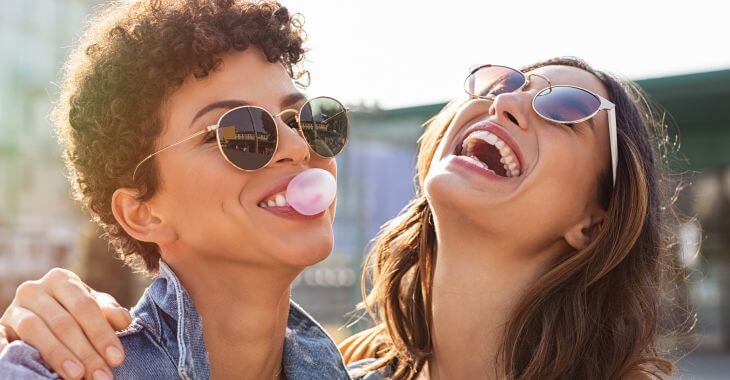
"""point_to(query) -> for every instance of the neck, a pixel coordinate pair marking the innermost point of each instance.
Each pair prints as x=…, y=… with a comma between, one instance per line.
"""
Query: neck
x=477, y=282
x=244, y=311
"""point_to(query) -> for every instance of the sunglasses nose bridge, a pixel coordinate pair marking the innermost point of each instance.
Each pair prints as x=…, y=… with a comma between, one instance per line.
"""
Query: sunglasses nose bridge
x=292, y=146
x=529, y=77
x=279, y=118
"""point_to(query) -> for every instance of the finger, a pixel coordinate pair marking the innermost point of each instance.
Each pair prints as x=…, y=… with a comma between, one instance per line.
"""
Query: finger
x=8, y=334
x=83, y=307
x=67, y=330
x=36, y=333
x=115, y=314
x=3, y=338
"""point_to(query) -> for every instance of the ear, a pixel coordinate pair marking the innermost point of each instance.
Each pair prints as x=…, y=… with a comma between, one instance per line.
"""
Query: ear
x=585, y=231
x=139, y=219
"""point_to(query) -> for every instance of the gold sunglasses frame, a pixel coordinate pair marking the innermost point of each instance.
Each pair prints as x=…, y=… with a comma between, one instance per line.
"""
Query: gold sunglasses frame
x=605, y=104
x=216, y=127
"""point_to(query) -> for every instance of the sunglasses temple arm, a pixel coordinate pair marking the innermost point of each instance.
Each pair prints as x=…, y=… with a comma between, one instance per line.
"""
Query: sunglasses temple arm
x=613, y=136
x=206, y=130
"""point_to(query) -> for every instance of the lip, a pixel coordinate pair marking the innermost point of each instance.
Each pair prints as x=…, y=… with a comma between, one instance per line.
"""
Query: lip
x=290, y=213
x=278, y=187
x=285, y=211
x=462, y=162
x=497, y=130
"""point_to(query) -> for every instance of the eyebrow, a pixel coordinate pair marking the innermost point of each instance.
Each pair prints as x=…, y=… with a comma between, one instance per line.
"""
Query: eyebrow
x=286, y=102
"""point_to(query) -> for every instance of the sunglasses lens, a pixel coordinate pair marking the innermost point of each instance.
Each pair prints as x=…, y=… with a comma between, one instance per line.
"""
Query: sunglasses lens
x=325, y=125
x=247, y=137
x=565, y=104
x=493, y=80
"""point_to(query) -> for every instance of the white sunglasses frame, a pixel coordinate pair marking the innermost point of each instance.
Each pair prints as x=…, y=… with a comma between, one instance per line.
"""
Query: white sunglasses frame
x=605, y=104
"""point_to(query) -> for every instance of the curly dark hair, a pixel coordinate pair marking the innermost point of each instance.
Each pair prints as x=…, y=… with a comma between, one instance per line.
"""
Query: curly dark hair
x=130, y=59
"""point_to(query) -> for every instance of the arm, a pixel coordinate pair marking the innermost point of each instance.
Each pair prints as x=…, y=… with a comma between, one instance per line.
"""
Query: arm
x=71, y=325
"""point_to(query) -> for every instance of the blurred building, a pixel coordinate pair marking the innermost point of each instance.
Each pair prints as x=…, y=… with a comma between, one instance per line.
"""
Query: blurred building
x=699, y=105
x=39, y=222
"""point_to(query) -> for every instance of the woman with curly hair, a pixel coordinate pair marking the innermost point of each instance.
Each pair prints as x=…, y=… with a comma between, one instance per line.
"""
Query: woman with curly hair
x=182, y=128
x=535, y=247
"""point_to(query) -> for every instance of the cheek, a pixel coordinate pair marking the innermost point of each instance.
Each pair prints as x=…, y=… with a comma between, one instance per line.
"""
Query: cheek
x=439, y=153
x=202, y=182
x=566, y=157
x=567, y=176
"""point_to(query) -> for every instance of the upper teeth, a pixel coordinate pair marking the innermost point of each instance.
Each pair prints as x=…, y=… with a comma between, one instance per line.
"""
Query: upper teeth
x=276, y=200
x=509, y=160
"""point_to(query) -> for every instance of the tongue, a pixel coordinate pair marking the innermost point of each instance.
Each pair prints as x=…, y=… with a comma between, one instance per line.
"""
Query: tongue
x=489, y=155
x=311, y=191
x=481, y=163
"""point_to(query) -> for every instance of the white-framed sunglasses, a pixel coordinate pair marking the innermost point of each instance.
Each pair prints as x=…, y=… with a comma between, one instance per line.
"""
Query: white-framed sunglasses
x=561, y=104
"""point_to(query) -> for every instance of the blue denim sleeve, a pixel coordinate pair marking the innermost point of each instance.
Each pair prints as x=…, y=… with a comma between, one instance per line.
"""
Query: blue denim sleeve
x=19, y=360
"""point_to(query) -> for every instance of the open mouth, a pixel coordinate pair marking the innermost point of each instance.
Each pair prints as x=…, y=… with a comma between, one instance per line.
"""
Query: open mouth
x=490, y=152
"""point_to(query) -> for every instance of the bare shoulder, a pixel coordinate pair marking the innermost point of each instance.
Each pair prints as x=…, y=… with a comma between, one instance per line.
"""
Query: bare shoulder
x=363, y=345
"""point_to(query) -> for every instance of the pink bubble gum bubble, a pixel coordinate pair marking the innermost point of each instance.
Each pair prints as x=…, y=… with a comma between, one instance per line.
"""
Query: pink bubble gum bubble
x=311, y=191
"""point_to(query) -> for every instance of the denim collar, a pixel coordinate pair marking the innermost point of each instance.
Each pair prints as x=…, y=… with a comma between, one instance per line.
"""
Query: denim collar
x=308, y=351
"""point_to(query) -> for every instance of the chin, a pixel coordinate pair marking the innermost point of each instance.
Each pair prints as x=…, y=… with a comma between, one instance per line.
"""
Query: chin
x=308, y=252
x=444, y=189
x=446, y=200
x=453, y=201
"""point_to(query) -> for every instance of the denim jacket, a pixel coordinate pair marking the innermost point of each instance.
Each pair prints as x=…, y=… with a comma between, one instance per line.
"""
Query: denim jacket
x=165, y=341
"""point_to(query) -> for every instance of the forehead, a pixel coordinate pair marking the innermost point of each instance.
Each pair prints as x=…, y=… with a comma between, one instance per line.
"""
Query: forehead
x=573, y=76
x=245, y=76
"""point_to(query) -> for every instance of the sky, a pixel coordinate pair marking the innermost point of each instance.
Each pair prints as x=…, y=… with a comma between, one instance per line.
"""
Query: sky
x=403, y=53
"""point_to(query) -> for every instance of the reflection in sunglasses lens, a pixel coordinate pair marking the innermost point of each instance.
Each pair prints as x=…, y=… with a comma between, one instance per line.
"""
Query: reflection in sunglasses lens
x=493, y=80
x=247, y=137
x=325, y=125
x=565, y=104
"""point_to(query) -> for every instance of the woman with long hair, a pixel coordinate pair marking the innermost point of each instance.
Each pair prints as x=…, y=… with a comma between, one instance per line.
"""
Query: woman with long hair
x=536, y=244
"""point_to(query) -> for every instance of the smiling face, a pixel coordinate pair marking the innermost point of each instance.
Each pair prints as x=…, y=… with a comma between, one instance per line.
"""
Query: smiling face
x=544, y=176
x=214, y=210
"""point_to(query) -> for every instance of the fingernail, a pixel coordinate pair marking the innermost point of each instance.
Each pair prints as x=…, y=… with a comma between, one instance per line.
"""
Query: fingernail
x=114, y=355
x=126, y=314
x=72, y=369
x=101, y=375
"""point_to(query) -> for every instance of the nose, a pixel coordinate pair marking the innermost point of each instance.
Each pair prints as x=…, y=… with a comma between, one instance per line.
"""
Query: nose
x=512, y=107
x=292, y=148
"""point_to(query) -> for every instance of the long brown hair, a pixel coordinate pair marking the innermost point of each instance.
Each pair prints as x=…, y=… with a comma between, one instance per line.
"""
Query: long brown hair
x=593, y=314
